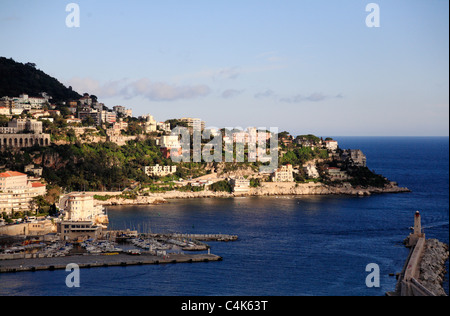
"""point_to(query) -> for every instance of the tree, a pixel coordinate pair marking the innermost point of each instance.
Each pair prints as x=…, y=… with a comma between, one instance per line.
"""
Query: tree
x=223, y=186
x=88, y=121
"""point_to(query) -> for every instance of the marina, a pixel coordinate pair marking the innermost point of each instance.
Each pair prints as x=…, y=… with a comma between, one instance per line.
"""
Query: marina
x=121, y=248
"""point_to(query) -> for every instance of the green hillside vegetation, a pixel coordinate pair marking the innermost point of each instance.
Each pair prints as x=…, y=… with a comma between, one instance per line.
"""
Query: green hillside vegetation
x=17, y=78
x=300, y=155
x=89, y=166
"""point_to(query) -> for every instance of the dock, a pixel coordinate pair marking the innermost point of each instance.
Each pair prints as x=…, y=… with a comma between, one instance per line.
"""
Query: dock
x=101, y=260
x=206, y=237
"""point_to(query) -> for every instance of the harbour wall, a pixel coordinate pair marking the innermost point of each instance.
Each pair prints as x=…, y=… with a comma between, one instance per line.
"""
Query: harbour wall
x=92, y=261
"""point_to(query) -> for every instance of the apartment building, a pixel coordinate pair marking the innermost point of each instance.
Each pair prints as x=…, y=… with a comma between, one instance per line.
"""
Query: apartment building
x=17, y=192
x=283, y=174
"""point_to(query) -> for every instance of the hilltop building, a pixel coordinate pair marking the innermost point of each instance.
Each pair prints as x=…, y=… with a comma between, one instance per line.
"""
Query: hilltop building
x=163, y=126
x=17, y=126
x=23, y=133
x=194, y=123
x=24, y=102
x=358, y=158
x=123, y=111
x=331, y=145
x=169, y=145
x=150, y=124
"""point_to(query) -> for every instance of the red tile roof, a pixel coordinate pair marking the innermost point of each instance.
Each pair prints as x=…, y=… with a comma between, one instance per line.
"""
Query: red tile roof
x=37, y=185
x=11, y=174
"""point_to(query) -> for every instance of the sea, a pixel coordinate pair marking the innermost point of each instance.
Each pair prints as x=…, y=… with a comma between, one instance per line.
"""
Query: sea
x=288, y=245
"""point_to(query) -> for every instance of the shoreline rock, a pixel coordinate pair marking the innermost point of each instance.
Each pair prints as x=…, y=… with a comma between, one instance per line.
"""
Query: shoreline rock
x=432, y=266
x=267, y=189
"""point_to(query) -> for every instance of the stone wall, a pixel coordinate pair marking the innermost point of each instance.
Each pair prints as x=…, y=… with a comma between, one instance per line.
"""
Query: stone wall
x=432, y=266
x=24, y=140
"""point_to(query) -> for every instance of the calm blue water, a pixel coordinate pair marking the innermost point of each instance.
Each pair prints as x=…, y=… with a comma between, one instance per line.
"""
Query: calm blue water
x=287, y=246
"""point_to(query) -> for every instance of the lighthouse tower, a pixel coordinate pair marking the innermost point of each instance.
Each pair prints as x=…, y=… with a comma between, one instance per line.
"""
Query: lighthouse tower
x=417, y=233
x=417, y=224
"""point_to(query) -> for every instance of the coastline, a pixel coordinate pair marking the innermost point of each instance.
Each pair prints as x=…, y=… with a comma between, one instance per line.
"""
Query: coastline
x=266, y=189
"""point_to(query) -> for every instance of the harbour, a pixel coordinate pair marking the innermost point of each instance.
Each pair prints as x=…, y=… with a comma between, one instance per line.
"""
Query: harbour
x=302, y=246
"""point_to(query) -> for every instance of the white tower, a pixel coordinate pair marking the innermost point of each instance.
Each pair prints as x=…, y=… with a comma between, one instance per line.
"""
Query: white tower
x=417, y=224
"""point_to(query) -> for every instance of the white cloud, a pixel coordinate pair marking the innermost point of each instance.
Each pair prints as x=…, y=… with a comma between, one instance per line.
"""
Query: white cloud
x=265, y=94
x=230, y=93
x=153, y=91
x=314, y=97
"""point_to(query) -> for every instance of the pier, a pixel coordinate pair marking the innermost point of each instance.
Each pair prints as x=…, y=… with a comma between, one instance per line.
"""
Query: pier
x=103, y=260
x=205, y=237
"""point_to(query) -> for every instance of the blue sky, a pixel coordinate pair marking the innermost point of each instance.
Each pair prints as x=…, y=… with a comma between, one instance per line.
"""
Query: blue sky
x=306, y=66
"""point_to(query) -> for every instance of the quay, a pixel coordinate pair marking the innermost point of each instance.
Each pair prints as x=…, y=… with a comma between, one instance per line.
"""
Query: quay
x=206, y=237
x=101, y=260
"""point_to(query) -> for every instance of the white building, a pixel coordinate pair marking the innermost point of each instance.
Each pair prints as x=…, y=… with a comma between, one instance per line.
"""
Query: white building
x=149, y=124
x=37, y=171
x=17, y=126
x=331, y=145
x=284, y=174
x=163, y=126
x=17, y=192
x=169, y=141
x=26, y=102
x=311, y=171
x=120, y=125
x=194, y=123
x=81, y=207
x=122, y=110
x=240, y=184
x=159, y=171
x=82, y=218
x=108, y=116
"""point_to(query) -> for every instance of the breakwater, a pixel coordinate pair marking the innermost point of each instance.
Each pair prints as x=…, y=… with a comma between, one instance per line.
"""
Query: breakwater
x=92, y=261
x=424, y=269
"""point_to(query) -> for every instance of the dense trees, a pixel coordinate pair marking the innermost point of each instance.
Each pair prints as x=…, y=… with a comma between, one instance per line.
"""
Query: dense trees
x=298, y=156
x=96, y=166
x=17, y=78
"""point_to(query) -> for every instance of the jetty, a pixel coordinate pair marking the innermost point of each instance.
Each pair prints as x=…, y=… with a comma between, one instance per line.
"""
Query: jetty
x=101, y=260
x=206, y=237
x=423, y=272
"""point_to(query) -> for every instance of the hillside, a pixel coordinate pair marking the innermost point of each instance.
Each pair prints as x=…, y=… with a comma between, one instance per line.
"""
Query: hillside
x=17, y=78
